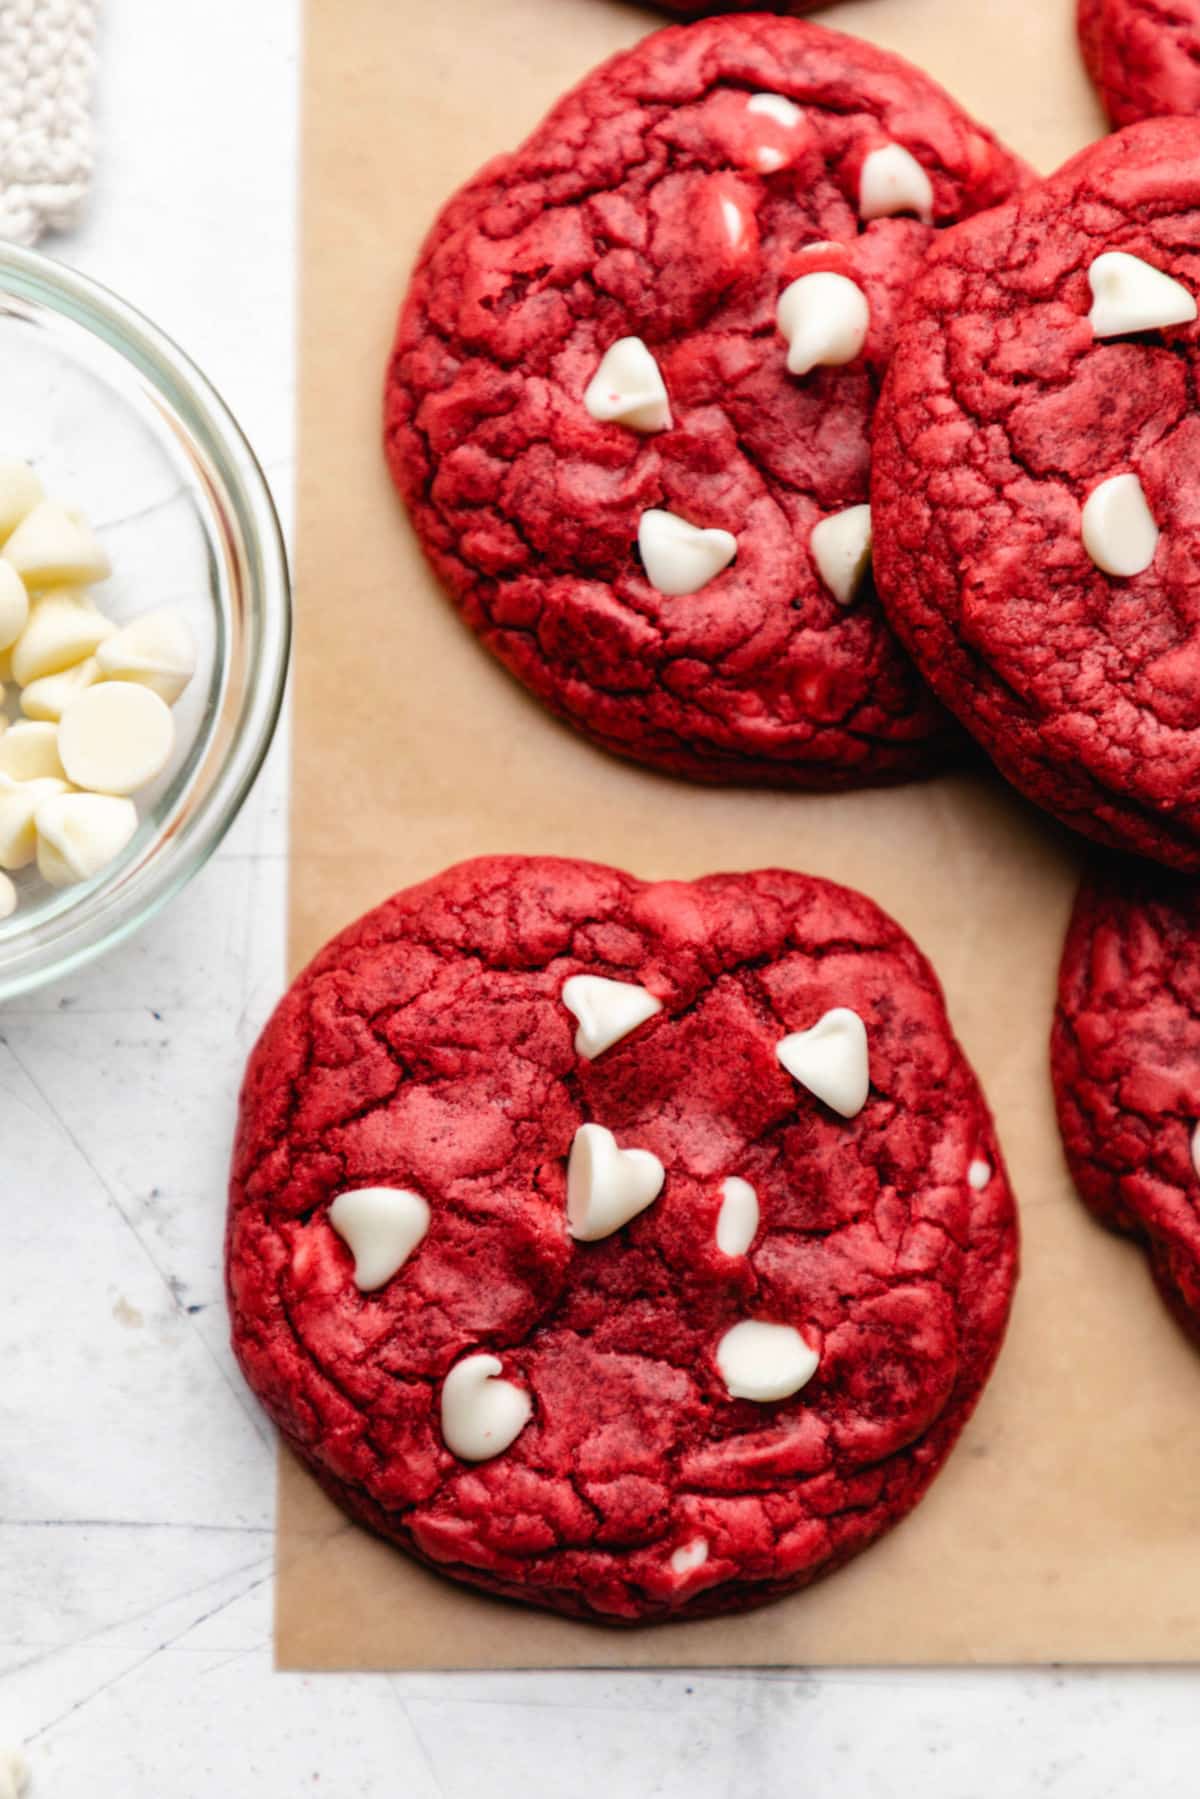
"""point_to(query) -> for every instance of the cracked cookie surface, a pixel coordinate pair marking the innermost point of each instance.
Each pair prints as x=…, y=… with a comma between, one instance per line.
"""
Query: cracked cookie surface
x=429, y=1048
x=1125, y=1056
x=1003, y=411
x=1143, y=55
x=642, y=207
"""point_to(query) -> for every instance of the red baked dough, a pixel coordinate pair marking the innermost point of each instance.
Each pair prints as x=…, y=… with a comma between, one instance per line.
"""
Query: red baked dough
x=609, y=223
x=1143, y=57
x=1002, y=411
x=428, y=1047
x=1126, y=1061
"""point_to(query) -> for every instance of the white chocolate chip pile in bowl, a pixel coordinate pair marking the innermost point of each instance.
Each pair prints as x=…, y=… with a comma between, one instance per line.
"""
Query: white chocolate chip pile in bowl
x=144, y=620
x=87, y=723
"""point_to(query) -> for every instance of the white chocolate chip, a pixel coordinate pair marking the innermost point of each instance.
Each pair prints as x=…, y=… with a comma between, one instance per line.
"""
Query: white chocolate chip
x=19, y=803
x=8, y=897
x=29, y=752
x=481, y=1414
x=841, y=549
x=607, y=1186
x=824, y=318
x=764, y=1361
x=381, y=1226
x=52, y=547
x=628, y=388
x=830, y=1059
x=48, y=697
x=1131, y=295
x=892, y=180
x=156, y=649
x=14, y=1774
x=781, y=112
x=979, y=1174
x=20, y=492
x=78, y=834
x=606, y=1010
x=14, y=605
x=737, y=1221
x=784, y=112
x=64, y=628
x=114, y=738
x=689, y=1556
x=733, y=219
x=1118, y=528
x=681, y=558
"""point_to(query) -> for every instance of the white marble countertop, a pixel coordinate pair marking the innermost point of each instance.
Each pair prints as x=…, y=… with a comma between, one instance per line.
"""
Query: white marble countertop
x=136, y=1474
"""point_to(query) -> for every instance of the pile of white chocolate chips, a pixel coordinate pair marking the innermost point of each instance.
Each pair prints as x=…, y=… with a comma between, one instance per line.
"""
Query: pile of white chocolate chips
x=95, y=698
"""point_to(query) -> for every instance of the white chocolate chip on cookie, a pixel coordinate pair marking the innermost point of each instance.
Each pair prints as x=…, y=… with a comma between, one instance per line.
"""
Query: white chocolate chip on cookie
x=606, y=1010
x=737, y=1221
x=831, y=1060
x=733, y=219
x=628, y=388
x=1118, y=528
x=381, y=1226
x=681, y=558
x=891, y=181
x=777, y=107
x=841, y=549
x=824, y=318
x=607, y=1186
x=689, y=1556
x=1131, y=295
x=787, y=117
x=764, y=1362
x=481, y=1413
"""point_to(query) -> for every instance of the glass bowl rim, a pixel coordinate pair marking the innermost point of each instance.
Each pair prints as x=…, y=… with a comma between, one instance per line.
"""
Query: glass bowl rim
x=107, y=918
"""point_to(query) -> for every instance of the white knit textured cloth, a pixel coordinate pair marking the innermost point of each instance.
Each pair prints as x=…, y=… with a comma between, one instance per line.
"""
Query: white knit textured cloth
x=46, y=54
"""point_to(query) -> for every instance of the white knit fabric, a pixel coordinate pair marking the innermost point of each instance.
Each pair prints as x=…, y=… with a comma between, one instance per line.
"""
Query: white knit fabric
x=46, y=53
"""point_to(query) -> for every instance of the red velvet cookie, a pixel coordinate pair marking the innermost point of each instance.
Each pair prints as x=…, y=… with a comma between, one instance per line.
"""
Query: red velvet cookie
x=637, y=1251
x=1126, y=1060
x=1034, y=490
x=653, y=523
x=1143, y=57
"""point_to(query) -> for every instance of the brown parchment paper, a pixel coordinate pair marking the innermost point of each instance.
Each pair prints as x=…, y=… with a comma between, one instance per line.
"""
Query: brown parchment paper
x=1065, y=1526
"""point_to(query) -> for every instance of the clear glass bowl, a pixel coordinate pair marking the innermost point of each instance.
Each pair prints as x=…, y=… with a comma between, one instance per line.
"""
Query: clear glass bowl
x=117, y=421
